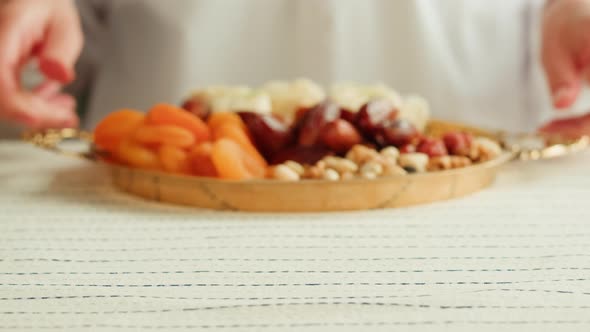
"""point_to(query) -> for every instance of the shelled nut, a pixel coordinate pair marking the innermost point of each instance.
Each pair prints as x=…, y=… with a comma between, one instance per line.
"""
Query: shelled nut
x=360, y=154
x=295, y=166
x=414, y=162
x=316, y=171
x=460, y=162
x=331, y=175
x=393, y=170
x=487, y=149
x=371, y=170
x=440, y=164
x=284, y=173
x=341, y=165
x=390, y=153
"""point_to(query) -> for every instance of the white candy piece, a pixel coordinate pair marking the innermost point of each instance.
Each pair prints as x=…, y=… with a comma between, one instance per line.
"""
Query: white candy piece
x=349, y=96
x=352, y=96
x=257, y=102
x=416, y=110
x=416, y=161
x=382, y=91
x=234, y=99
x=288, y=97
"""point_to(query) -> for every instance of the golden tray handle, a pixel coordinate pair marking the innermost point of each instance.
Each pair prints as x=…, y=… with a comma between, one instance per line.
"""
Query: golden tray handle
x=51, y=139
x=538, y=147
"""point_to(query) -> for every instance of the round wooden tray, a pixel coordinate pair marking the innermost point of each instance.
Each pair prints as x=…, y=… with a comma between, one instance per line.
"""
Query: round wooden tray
x=313, y=195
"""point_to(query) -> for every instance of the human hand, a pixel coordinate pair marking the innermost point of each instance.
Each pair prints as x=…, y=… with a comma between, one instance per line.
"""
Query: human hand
x=566, y=48
x=47, y=31
x=566, y=59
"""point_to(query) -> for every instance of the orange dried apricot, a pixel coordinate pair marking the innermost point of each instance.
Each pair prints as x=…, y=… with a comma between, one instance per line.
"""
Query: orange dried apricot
x=164, y=134
x=136, y=155
x=217, y=119
x=174, y=159
x=166, y=114
x=234, y=163
x=115, y=127
x=235, y=133
x=201, y=162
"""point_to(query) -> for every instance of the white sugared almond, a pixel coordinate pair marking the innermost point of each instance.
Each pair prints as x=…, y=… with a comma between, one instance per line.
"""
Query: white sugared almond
x=352, y=96
x=288, y=97
x=234, y=98
x=416, y=110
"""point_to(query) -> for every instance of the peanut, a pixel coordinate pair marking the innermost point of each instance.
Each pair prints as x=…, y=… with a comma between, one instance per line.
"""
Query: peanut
x=460, y=162
x=488, y=149
x=439, y=164
x=284, y=173
x=295, y=166
x=414, y=162
x=391, y=153
x=360, y=154
x=341, y=165
x=331, y=175
x=371, y=170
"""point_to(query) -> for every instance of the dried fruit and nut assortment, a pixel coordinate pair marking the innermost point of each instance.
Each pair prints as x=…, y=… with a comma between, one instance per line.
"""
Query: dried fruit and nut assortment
x=288, y=131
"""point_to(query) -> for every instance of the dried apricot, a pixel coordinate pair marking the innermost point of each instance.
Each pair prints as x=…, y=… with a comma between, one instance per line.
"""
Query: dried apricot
x=164, y=134
x=136, y=155
x=217, y=119
x=174, y=159
x=240, y=136
x=201, y=162
x=166, y=114
x=234, y=163
x=115, y=127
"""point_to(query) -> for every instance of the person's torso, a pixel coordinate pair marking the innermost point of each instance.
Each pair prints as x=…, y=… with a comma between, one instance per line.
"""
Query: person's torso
x=471, y=59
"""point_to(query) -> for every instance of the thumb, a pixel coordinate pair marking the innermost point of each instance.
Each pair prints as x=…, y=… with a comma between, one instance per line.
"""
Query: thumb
x=61, y=48
x=563, y=76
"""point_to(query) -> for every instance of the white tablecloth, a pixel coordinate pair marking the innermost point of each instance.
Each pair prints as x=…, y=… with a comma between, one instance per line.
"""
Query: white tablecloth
x=77, y=255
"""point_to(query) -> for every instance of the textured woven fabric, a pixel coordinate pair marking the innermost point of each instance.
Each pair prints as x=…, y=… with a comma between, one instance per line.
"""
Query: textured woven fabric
x=77, y=255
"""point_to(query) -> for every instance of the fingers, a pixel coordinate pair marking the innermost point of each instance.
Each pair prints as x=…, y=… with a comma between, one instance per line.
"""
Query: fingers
x=47, y=89
x=44, y=107
x=574, y=127
x=55, y=38
x=562, y=72
x=61, y=48
x=55, y=112
x=10, y=59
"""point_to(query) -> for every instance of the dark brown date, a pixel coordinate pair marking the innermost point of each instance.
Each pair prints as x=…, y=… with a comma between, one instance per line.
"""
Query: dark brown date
x=397, y=133
x=314, y=122
x=348, y=115
x=197, y=107
x=373, y=116
x=341, y=136
x=269, y=133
